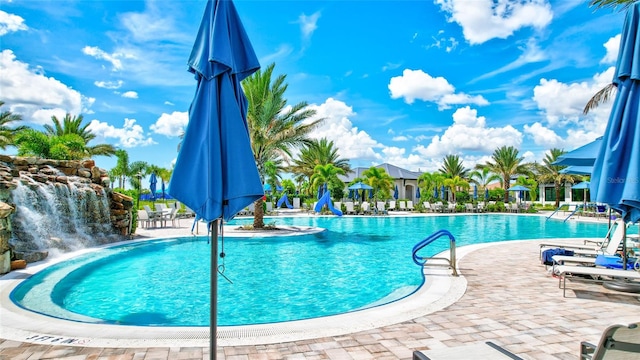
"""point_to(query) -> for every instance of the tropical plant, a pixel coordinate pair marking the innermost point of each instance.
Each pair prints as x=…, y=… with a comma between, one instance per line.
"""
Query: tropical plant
x=73, y=125
x=483, y=177
x=622, y=4
x=454, y=184
x=326, y=174
x=530, y=184
x=7, y=132
x=35, y=143
x=547, y=172
x=430, y=182
x=275, y=128
x=452, y=167
x=380, y=180
x=506, y=162
x=317, y=152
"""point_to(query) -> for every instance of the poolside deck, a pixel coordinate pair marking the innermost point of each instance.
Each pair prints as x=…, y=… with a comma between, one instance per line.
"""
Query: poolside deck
x=510, y=299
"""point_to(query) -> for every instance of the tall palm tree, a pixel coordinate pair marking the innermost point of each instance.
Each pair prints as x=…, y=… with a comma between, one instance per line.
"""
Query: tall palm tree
x=73, y=125
x=483, y=177
x=452, y=167
x=454, y=184
x=506, y=162
x=275, y=128
x=327, y=174
x=317, y=152
x=7, y=132
x=380, y=180
x=547, y=172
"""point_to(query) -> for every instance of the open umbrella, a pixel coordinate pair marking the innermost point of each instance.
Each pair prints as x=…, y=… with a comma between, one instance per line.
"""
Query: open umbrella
x=585, y=155
x=520, y=189
x=577, y=170
x=215, y=173
x=616, y=172
x=153, y=181
x=584, y=186
x=360, y=186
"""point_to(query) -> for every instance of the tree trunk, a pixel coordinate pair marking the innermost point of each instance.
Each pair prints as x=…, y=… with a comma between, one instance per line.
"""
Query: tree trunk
x=557, y=188
x=506, y=189
x=258, y=215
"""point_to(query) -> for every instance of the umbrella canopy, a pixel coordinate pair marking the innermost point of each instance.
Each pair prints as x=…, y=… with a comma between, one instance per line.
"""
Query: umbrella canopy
x=577, y=170
x=215, y=173
x=582, y=185
x=518, y=188
x=475, y=192
x=435, y=192
x=153, y=182
x=582, y=156
x=616, y=172
x=417, y=193
x=360, y=186
x=395, y=193
x=442, y=192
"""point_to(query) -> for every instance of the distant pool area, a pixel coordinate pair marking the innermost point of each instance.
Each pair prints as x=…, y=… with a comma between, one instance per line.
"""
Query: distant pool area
x=360, y=262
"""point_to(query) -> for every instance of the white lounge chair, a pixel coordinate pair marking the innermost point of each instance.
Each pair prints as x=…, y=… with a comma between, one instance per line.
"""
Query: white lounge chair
x=143, y=219
x=615, y=232
x=427, y=206
x=349, y=207
x=338, y=205
x=296, y=203
x=410, y=205
x=402, y=205
x=392, y=205
x=599, y=274
x=366, y=208
x=616, y=342
x=380, y=208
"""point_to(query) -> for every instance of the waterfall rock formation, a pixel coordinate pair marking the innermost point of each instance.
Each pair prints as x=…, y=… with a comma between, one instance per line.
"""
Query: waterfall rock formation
x=56, y=206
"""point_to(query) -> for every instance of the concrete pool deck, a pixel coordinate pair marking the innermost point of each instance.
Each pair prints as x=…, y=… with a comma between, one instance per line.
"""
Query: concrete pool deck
x=509, y=298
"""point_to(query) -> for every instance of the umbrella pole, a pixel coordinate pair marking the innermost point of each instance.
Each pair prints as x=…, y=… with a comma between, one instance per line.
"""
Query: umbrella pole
x=213, y=302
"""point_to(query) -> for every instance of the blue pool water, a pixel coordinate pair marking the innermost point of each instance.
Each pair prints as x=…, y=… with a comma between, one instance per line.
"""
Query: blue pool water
x=357, y=263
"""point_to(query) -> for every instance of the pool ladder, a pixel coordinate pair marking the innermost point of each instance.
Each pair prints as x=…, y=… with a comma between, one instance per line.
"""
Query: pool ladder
x=424, y=261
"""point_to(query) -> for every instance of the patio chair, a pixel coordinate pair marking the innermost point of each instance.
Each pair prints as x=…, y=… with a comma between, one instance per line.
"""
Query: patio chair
x=615, y=233
x=402, y=205
x=410, y=205
x=392, y=205
x=350, y=208
x=366, y=208
x=469, y=207
x=143, y=219
x=617, y=342
x=482, y=350
x=592, y=274
x=380, y=208
x=427, y=206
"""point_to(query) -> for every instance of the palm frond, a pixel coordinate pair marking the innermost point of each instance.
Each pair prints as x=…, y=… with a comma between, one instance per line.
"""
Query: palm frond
x=600, y=97
x=622, y=4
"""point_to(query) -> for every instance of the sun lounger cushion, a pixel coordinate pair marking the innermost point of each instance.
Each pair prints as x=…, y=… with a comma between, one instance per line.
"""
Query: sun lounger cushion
x=547, y=255
x=613, y=262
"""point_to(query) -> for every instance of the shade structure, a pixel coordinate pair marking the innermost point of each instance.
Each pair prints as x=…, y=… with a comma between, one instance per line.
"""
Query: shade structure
x=163, y=190
x=417, y=193
x=581, y=185
x=395, y=193
x=153, y=183
x=583, y=156
x=360, y=186
x=577, y=170
x=215, y=173
x=486, y=194
x=442, y=192
x=475, y=192
x=615, y=179
x=519, y=188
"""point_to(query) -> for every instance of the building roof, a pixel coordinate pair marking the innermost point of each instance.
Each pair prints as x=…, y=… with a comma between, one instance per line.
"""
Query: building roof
x=395, y=172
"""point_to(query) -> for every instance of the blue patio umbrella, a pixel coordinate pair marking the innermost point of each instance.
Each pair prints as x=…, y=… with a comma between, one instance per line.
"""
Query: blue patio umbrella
x=583, y=156
x=360, y=186
x=417, y=193
x=577, y=170
x=520, y=189
x=435, y=192
x=584, y=186
x=163, y=189
x=615, y=179
x=486, y=194
x=215, y=173
x=320, y=192
x=351, y=194
x=370, y=193
x=395, y=193
x=442, y=192
x=153, y=182
x=475, y=193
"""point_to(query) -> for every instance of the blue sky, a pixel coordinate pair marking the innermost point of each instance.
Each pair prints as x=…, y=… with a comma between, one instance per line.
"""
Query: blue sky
x=403, y=82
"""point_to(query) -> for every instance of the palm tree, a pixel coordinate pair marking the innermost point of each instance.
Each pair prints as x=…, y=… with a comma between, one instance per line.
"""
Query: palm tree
x=8, y=133
x=623, y=4
x=507, y=163
x=73, y=125
x=121, y=170
x=317, y=152
x=381, y=182
x=455, y=183
x=452, y=167
x=547, y=172
x=326, y=174
x=274, y=127
x=31, y=142
x=483, y=177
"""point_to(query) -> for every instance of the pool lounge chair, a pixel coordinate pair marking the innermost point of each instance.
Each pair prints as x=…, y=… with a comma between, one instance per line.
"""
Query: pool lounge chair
x=350, y=208
x=402, y=205
x=410, y=205
x=392, y=205
x=427, y=206
x=380, y=208
x=614, y=233
x=617, y=342
x=596, y=274
x=366, y=208
x=482, y=350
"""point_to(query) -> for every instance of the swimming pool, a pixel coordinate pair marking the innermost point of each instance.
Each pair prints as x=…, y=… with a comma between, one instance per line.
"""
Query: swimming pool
x=359, y=262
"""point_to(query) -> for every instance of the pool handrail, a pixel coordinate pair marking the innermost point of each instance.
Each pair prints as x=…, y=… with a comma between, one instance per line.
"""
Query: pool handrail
x=422, y=261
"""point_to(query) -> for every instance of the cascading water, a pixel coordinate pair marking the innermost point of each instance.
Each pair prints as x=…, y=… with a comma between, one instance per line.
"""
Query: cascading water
x=59, y=215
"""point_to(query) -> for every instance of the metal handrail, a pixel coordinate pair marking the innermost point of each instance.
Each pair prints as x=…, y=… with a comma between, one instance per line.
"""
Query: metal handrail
x=422, y=261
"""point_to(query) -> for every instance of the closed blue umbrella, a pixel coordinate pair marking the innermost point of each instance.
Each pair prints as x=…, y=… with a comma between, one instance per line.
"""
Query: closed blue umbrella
x=163, y=189
x=417, y=193
x=616, y=172
x=153, y=182
x=475, y=193
x=486, y=194
x=435, y=192
x=320, y=192
x=215, y=172
x=370, y=193
x=442, y=192
x=395, y=193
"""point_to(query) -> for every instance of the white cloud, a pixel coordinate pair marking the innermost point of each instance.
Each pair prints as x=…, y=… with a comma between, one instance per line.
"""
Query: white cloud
x=352, y=142
x=543, y=136
x=130, y=95
x=469, y=132
x=400, y=138
x=114, y=59
x=563, y=103
x=612, y=46
x=308, y=24
x=171, y=125
x=35, y=96
x=11, y=23
x=416, y=84
x=129, y=136
x=483, y=20
x=111, y=85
